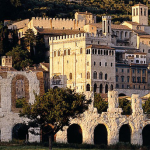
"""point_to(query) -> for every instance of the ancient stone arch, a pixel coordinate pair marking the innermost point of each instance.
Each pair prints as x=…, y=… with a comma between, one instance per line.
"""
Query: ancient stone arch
x=13, y=91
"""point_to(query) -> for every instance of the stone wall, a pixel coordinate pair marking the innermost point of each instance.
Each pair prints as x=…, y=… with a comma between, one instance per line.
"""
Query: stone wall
x=112, y=120
x=8, y=112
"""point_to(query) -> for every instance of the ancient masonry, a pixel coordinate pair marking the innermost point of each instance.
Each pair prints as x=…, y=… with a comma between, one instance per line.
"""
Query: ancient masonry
x=112, y=120
x=33, y=81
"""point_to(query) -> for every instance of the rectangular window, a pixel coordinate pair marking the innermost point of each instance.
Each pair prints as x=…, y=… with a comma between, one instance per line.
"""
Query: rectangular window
x=128, y=79
x=127, y=70
x=122, y=70
x=144, y=12
x=133, y=12
x=136, y=11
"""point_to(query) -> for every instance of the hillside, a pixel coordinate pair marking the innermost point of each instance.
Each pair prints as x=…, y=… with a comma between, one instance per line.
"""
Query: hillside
x=22, y=9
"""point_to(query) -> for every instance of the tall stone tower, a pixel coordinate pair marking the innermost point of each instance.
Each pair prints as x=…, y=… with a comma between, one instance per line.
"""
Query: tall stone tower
x=106, y=25
x=140, y=14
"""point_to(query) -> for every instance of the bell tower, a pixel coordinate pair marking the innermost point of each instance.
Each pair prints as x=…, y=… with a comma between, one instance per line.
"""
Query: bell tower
x=140, y=14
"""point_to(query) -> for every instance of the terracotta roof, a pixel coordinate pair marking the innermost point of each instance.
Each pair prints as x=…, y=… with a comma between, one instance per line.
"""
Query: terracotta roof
x=113, y=26
x=58, y=31
x=139, y=5
x=133, y=23
x=140, y=32
x=135, y=53
x=100, y=47
x=145, y=36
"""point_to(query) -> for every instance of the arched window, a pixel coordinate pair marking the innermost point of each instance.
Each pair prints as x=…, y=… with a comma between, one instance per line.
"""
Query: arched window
x=95, y=51
x=106, y=88
x=95, y=87
x=101, y=88
x=58, y=53
x=109, y=52
x=111, y=87
x=112, y=53
x=98, y=52
x=95, y=75
x=88, y=75
x=54, y=53
x=106, y=52
x=92, y=51
x=64, y=52
x=68, y=51
x=88, y=87
x=70, y=76
x=101, y=52
x=94, y=63
x=80, y=50
x=100, y=75
x=106, y=76
x=100, y=63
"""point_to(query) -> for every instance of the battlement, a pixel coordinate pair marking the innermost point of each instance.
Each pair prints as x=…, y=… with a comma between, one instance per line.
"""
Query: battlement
x=4, y=57
x=80, y=35
x=106, y=17
x=53, y=19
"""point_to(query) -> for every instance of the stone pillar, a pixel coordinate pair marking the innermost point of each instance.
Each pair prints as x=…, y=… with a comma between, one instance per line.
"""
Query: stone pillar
x=61, y=136
x=136, y=137
x=87, y=136
x=136, y=104
x=113, y=102
x=113, y=135
x=6, y=134
x=33, y=137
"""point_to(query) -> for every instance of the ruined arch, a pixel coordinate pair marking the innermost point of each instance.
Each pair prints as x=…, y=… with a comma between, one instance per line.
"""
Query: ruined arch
x=74, y=134
x=100, y=134
x=146, y=135
x=13, y=92
x=121, y=94
x=125, y=133
x=20, y=131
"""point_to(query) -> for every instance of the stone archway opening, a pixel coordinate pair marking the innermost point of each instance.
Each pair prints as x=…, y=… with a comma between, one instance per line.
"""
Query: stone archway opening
x=74, y=134
x=125, y=133
x=88, y=87
x=46, y=132
x=20, y=132
x=55, y=87
x=121, y=94
x=100, y=134
x=106, y=88
x=146, y=135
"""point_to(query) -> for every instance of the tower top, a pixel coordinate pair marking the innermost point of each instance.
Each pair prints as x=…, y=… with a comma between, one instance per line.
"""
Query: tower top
x=140, y=14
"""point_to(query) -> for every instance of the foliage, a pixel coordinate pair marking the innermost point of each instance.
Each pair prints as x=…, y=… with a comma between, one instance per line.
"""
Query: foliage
x=126, y=106
x=20, y=102
x=20, y=57
x=30, y=40
x=55, y=108
x=21, y=9
x=99, y=103
x=146, y=106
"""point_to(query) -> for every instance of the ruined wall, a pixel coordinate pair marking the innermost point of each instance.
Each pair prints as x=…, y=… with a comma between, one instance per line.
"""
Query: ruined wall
x=8, y=112
x=112, y=120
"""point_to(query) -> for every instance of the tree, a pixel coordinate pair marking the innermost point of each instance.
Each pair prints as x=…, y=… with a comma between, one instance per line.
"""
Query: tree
x=20, y=57
x=55, y=108
x=146, y=106
x=126, y=106
x=30, y=41
x=99, y=103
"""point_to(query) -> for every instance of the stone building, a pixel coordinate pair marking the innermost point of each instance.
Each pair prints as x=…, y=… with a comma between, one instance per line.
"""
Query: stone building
x=109, y=127
x=78, y=62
